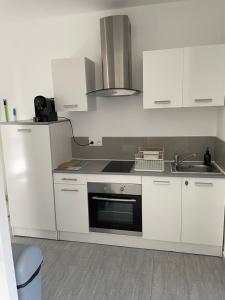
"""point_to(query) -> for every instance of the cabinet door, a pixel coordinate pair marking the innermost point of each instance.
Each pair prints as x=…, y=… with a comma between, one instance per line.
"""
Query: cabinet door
x=204, y=76
x=161, y=208
x=27, y=158
x=162, y=78
x=203, y=211
x=71, y=208
x=72, y=79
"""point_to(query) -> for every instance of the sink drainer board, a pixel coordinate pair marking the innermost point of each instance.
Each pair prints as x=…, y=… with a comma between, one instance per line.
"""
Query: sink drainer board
x=150, y=158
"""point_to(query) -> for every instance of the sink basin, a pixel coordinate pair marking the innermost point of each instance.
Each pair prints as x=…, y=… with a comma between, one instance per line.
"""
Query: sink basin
x=194, y=167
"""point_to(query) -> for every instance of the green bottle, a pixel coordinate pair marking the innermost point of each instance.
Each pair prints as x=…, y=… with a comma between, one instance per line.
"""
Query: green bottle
x=6, y=110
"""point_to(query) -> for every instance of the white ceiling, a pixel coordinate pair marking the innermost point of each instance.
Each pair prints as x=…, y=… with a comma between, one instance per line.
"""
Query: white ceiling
x=20, y=10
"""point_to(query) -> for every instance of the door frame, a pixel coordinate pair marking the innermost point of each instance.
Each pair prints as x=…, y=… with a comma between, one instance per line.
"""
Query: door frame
x=8, y=290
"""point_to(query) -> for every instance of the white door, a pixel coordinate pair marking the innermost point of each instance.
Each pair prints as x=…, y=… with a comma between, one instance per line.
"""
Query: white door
x=8, y=290
x=71, y=208
x=203, y=211
x=204, y=76
x=162, y=78
x=161, y=208
x=27, y=157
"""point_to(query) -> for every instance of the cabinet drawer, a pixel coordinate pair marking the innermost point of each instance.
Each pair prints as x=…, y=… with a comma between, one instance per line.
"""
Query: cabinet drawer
x=67, y=178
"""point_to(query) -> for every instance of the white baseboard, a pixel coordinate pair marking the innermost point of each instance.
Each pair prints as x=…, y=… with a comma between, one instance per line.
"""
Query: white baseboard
x=42, y=234
x=139, y=242
x=120, y=240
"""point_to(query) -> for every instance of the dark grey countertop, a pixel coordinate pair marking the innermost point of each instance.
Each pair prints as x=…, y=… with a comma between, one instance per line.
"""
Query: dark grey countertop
x=31, y=122
x=96, y=167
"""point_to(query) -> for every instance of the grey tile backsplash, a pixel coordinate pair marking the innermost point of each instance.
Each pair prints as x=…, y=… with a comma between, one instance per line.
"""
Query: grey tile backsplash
x=126, y=147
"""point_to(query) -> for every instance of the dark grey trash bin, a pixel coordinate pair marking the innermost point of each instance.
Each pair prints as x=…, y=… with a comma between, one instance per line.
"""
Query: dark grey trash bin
x=27, y=263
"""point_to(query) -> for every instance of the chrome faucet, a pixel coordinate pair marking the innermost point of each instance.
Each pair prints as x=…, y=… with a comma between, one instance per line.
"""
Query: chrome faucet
x=179, y=161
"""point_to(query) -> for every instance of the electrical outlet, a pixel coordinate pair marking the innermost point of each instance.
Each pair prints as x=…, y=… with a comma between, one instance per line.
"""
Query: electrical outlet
x=96, y=141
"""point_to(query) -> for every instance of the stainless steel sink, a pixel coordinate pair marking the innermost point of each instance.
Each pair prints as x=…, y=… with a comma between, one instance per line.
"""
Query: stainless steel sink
x=195, y=168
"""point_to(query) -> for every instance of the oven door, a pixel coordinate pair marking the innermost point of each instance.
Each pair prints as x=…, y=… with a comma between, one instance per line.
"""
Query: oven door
x=115, y=212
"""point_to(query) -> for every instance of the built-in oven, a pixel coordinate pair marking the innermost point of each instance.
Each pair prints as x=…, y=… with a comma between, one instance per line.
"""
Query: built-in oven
x=115, y=208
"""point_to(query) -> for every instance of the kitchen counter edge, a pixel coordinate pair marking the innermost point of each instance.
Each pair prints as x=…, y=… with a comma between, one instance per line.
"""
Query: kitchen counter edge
x=31, y=122
x=94, y=167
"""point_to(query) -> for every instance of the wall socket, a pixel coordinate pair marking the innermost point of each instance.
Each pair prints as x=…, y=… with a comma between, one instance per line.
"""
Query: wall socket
x=96, y=141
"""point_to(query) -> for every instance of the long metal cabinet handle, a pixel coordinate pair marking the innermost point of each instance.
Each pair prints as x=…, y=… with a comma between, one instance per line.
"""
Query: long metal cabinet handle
x=69, y=190
x=204, y=100
x=162, y=182
x=70, y=105
x=113, y=199
x=162, y=101
x=204, y=183
x=24, y=130
x=71, y=179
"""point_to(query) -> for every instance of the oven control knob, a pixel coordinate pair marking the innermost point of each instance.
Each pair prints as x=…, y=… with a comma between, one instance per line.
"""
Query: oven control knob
x=105, y=188
x=122, y=188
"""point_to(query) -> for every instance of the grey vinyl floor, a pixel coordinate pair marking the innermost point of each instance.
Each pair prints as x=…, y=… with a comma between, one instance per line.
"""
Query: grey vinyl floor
x=81, y=271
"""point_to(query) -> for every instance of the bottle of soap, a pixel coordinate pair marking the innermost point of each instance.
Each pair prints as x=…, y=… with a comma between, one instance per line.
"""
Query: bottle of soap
x=207, y=157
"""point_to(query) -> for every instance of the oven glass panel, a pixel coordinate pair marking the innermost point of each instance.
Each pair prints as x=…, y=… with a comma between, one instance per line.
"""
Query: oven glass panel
x=121, y=212
x=114, y=212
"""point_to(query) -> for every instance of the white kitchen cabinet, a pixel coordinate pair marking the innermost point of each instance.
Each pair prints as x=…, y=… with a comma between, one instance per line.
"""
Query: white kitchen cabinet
x=31, y=152
x=161, y=208
x=162, y=78
x=204, y=76
x=203, y=211
x=71, y=208
x=184, y=77
x=72, y=79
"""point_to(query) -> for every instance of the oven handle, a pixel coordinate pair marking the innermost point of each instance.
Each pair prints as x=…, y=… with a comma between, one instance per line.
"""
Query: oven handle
x=113, y=199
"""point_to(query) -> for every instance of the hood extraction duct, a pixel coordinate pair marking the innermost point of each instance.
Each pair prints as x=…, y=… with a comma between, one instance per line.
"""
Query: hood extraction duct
x=116, y=57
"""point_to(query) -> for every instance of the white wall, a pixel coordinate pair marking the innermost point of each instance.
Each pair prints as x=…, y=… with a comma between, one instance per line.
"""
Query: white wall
x=221, y=124
x=29, y=47
x=127, y=118
x=221, y=112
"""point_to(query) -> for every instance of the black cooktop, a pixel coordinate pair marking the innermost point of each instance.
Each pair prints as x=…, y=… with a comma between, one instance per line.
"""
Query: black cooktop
x=119, y=166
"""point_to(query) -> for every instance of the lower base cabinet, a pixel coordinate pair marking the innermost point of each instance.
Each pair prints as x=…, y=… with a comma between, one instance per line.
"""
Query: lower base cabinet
x=203, y=211
x=185, y=210
x=161, y=208
x=71, y=208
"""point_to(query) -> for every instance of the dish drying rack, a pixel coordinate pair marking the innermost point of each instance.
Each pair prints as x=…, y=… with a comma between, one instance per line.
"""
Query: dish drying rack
x=150, y=158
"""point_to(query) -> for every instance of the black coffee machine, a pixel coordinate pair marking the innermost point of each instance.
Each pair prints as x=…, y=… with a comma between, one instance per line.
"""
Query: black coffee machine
x=44, y=109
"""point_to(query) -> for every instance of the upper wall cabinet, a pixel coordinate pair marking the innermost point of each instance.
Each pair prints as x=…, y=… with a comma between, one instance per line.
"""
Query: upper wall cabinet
x=187, y=77
x=162, y=78
x=72, y=79
x=204, y=76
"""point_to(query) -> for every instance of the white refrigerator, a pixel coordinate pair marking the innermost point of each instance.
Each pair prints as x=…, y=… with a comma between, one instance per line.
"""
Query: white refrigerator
x=31, y=151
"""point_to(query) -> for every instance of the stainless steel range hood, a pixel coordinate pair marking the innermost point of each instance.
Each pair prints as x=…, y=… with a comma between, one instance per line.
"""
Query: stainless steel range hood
x=116, y=57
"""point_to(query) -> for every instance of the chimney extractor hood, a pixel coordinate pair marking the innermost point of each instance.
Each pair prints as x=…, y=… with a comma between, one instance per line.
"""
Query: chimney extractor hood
x=116, y=57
